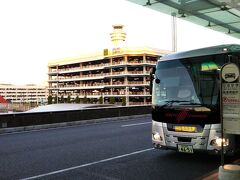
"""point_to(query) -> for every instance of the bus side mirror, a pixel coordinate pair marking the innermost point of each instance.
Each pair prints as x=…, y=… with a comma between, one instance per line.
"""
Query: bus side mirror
x=152, y=72
x=157, y=81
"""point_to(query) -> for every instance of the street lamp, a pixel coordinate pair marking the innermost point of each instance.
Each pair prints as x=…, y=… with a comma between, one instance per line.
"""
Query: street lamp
x=127, y=96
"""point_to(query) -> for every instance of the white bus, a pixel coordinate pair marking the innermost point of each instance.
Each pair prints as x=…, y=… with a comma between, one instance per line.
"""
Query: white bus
x=185, y=100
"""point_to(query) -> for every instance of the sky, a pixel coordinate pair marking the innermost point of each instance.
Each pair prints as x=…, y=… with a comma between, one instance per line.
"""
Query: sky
x=33, y=32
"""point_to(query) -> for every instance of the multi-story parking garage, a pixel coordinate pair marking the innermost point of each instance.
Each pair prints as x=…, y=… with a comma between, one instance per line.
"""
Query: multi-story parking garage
x=121, y=74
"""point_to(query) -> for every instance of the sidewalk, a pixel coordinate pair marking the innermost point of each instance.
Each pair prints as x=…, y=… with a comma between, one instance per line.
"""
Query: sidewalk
x=214, y=174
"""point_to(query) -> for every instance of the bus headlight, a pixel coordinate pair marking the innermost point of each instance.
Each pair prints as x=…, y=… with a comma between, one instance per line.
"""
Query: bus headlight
x=156, y=136
x=218, y=142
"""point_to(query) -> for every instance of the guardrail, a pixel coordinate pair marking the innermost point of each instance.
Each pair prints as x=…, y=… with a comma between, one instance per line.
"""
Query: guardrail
x=40, y=118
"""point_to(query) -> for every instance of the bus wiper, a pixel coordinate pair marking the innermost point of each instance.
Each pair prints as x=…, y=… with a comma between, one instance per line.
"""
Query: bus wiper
x=192, y=103
x=176, y=101
x=170, y=103
x=199, y=104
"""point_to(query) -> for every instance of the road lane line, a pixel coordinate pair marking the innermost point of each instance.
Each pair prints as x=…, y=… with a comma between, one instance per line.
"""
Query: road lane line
x=87, y=164
x=137, y=124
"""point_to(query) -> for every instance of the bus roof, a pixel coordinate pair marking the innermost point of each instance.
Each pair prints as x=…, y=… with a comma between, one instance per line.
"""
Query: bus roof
x=221, y=49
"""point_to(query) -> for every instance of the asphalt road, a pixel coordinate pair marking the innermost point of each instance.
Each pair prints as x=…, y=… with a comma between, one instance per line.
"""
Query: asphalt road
x=103, y=151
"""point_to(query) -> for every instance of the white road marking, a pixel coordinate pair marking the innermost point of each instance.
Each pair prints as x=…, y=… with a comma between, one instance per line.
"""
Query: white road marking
x=87, y=164
x=137, y=124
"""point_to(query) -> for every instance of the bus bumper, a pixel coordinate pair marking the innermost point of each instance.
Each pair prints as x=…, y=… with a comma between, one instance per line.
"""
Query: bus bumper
x=205, y=141
x=228, y=152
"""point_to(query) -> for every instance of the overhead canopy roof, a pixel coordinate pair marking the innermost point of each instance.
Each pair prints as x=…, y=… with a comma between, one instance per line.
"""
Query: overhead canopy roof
x=219, y=15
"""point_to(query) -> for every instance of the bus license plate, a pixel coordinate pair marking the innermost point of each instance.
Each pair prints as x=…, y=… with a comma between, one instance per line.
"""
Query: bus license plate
x=185, y=148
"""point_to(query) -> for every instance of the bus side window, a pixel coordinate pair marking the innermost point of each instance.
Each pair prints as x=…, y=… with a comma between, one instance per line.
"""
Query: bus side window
x=235, y=58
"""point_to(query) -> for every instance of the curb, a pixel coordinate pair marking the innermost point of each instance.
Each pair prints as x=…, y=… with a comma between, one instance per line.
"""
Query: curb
x=214, y=174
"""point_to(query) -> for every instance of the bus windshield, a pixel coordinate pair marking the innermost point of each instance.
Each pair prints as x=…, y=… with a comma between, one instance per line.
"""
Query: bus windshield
x=188, y=81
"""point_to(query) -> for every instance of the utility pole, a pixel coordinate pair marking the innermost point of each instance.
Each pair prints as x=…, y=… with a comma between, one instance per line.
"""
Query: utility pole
x=174, y=32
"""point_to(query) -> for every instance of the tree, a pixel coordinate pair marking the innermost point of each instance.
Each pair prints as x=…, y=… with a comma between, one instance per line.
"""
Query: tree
x=69, y=99
x=50, y=99
x=112, y=100
x=92, y=100
x=85, y=99
x=77, y=100
x=55, y=100
x=123, y=101
x=100, y=100
x=62, y=99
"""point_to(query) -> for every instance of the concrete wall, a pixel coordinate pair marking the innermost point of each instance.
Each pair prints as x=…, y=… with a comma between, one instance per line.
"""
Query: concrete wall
x=32, y=119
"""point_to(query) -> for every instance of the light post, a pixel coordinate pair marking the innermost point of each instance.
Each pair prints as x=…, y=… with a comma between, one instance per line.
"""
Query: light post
x=57, y=96
x=102, y=94
x=127, y=96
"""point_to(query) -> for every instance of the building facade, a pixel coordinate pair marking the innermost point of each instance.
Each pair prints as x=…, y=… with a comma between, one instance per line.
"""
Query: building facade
x=23, y=94
x=119, y=74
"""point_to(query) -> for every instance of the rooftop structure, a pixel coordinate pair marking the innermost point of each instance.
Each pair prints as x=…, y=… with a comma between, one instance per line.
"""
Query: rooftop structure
x=118, y=36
